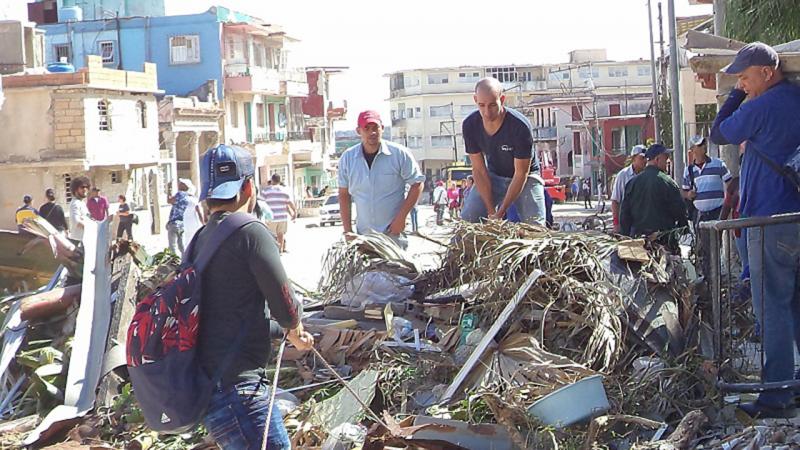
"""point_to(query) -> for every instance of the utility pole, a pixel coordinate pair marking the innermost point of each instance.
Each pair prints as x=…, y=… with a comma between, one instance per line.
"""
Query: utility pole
x=661, y=49
x=674, y=69
x=656, y=103
x=455, y=141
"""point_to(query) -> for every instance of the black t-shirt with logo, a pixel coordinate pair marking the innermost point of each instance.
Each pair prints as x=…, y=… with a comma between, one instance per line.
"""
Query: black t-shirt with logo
x=513, y=140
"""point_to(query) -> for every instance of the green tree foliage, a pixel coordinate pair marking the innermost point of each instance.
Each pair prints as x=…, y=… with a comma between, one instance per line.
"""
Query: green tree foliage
x=770, y=21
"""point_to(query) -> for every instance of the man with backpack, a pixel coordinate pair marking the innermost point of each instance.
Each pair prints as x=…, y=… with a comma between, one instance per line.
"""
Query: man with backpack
x=769, y=123
x=205, y=362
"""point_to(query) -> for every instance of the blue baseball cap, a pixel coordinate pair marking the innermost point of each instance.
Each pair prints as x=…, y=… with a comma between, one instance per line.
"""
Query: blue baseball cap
x=223, y=171
x=655, y=150
x=753, y=54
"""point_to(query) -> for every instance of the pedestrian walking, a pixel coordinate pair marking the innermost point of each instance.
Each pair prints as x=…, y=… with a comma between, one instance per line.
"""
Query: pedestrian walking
x=125, y=218
x=175, y=229
x=282, y=207
x=586, y=192
x=453, y=200
x=374, y=174
x=575, y=189
x=439, y=202
x=193, y=215
x=52, y=211
x=769, y=123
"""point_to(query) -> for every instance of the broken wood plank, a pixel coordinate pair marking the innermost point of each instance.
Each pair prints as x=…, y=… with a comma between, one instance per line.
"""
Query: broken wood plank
x=489, y=336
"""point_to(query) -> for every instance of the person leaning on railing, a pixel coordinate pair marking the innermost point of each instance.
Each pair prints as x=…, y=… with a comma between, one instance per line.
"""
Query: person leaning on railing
x=769, y=122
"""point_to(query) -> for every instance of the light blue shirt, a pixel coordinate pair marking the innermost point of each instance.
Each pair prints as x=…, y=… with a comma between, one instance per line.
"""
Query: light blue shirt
x=378, y=192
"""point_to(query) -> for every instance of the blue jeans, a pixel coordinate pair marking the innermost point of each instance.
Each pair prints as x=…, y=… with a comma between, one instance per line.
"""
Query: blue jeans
x=775, y=270
x=236, y=417
x=529, y=204
x=741, y=248
x=414, y=220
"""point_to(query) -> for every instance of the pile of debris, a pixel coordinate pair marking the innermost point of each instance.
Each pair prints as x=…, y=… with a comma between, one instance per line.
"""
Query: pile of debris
x=518, y=337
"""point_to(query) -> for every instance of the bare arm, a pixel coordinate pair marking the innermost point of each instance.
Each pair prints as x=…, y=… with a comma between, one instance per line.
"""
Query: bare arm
x=482, y=181
x=399, y=222
x=344, y=209
x=521, y=169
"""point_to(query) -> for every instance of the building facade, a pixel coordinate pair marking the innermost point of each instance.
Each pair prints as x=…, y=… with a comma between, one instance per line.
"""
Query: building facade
x=260, y=92
x=98, y=122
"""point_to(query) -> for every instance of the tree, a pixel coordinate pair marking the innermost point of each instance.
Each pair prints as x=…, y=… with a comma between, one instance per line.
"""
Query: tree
x=770, y=21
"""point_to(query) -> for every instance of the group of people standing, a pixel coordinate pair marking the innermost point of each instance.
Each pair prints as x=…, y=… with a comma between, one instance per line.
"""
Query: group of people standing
x=451, y=198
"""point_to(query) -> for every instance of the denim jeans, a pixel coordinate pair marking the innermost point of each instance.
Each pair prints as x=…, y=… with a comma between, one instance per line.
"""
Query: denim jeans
x=774, y=268
x=530, y=203
x=414, y=219
x=175, y=237
x=237, y=414
x=741, y=248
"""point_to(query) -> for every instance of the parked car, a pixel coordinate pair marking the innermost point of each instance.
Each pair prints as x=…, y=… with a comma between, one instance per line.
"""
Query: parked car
x=329, y=211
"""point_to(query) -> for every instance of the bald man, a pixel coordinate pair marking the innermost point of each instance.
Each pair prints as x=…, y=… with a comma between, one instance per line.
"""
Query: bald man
x=499, y=143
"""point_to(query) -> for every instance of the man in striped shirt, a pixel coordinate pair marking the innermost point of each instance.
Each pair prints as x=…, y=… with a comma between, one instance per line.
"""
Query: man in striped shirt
x=280, y=202
x=704, y=184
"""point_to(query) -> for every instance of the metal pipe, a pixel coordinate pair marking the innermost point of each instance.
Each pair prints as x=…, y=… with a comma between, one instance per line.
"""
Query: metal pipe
x=674, y=69
x=653, y=79
x=750, y=222
x=758, y=387
x=716, y=292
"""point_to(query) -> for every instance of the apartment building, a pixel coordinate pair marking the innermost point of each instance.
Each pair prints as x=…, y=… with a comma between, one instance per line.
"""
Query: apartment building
x=428, y=106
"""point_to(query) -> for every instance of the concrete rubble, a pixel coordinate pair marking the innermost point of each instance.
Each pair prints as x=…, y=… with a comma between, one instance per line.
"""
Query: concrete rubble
x=451, y=356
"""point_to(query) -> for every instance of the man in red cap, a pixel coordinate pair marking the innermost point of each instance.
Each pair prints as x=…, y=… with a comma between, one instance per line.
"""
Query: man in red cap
x=374, y=175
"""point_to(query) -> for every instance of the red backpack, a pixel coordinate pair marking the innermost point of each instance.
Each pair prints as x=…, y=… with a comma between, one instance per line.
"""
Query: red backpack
x=168, y=381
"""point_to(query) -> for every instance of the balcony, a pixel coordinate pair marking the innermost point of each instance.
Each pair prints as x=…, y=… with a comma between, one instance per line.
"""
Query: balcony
x=252, y=79
x=545, y=134
x=294, y=83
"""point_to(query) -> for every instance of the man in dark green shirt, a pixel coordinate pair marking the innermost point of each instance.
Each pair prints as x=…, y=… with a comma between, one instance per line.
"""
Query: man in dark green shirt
x=652, y=202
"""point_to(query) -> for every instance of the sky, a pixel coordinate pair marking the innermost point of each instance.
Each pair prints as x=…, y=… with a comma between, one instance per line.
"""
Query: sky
x=377, y=38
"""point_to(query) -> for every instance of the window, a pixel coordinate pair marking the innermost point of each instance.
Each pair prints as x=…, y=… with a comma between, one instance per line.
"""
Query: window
x=525, y=76
x=235, y=48
x=559, y=74
x=614, y=109
x=410, y=81
x=106, y=51
x=468, y=77
x=67, y=187
x=466, y=110
x=414, y=142
x=184, y=49
x=617, y=72
x=576, y=143
x=414, y=112
x=577, y=113
x=438, y=78
x=441, y=111
x=616, y=140
x=643, y=71
x=103, y=115
x=258, y=55
x=401, y=110
x=141, y=113
x=116, y=177
x=261, y=120
x=570, y=162
x=234, y=113
x=62, y=52
x=585, y=73
x=441, y=141
x=503, y=74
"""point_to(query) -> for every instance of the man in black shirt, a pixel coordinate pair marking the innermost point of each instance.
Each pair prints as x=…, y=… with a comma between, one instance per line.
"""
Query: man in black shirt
x=243, y=285
x=499, y=143
x=52, y=212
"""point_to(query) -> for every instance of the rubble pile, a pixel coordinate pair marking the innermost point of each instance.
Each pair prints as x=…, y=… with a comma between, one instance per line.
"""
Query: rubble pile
x=517, y=337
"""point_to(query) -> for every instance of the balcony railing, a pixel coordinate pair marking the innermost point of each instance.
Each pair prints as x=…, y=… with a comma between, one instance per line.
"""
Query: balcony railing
x=545, y=133
x=299, y=135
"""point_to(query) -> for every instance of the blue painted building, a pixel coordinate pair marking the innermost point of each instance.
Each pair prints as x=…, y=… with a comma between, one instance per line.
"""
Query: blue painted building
x=261, y=94
x=53, y=11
